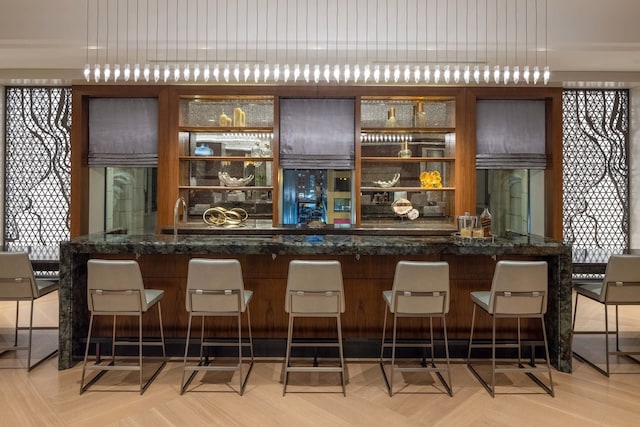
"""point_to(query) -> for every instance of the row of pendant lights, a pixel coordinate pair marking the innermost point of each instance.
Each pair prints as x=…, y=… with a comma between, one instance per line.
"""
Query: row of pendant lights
x=415, y=74
x=472, y=68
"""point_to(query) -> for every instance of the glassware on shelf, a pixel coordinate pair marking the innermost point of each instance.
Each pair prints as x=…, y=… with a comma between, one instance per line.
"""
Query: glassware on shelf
x=203, y=150
x=405, y=151
x=466, y=223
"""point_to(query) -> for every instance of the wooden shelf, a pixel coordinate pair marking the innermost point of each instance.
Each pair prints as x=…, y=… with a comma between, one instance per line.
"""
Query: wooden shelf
x=385, y=130
x=223, y=188
x=407, y=159
x=408, y=189
x=226, y=129
x=228, y=158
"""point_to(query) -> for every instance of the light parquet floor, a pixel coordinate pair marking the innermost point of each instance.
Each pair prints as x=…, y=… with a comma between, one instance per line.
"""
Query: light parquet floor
x=48, y=397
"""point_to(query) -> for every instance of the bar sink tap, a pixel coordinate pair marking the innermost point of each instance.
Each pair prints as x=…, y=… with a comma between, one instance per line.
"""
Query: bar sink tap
x=176, y=207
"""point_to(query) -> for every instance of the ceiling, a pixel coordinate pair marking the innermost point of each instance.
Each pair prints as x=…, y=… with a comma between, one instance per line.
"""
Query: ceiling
x=591, y=43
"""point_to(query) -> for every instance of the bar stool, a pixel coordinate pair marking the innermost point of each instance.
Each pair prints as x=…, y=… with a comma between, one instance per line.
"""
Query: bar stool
x=420, y=289
x=620, y=286
x=215, y=288
x=17, y=283
x=314, y=289
x=519, y=290
x=115, y=288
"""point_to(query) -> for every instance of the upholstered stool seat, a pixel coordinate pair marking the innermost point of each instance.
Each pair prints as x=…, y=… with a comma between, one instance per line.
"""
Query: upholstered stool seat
x=18, y=283
x=420, y=289
x=215, y=288
x=519, y=290
x=115, y=288
x=620, y=286
x=314, y=289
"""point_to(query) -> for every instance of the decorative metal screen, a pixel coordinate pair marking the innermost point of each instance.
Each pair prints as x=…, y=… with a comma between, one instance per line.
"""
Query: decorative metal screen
x=596, y=173
x=37, y=170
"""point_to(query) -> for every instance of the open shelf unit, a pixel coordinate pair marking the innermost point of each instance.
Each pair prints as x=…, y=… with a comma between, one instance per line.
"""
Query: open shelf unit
x=225, y=154
x=407, y=137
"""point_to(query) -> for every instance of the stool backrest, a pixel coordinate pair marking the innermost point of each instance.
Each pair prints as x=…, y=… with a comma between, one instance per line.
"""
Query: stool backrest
x=420, y=288
x=215, y=285
x=621, y=282
x=16, y=276
x=115, y=286
x=314, y=286
x=519, y=287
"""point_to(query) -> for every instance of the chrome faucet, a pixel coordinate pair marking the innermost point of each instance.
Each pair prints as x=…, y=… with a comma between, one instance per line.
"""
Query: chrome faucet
x=179, y=201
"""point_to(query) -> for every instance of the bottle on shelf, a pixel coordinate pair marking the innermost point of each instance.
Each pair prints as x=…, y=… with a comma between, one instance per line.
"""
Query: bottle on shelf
x=419, y=116
x=392, y=122
x=405, y=151
x=485, y=222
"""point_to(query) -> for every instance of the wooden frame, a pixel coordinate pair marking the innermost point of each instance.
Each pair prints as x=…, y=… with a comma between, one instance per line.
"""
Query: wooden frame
x=168, y=123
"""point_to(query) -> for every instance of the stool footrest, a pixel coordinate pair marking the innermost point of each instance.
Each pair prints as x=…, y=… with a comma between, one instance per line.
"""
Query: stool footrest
x=211, y=368
x=522, y=369
x=314, y=369
x=321, y=344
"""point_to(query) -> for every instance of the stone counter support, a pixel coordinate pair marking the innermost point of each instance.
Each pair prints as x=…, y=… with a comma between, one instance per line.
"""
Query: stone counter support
x=368, y=265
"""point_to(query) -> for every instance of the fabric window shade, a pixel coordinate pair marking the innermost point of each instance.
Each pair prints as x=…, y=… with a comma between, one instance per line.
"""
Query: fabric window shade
x=510, y=134
x=317, y=133
x=123, y=132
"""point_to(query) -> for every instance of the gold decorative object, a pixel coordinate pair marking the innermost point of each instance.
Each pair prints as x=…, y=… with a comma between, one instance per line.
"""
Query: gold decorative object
x=239, y=117
x=224, y=120
x=430, y=179
x=221, y=217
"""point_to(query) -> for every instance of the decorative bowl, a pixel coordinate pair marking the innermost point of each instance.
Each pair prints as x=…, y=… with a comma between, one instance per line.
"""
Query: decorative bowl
x=229, y=181
x=390, y=183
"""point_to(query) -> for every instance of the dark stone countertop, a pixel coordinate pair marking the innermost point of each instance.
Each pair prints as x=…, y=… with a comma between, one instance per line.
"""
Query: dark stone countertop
x=301, y=244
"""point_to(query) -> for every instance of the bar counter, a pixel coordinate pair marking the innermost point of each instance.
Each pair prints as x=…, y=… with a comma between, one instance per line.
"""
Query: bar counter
x=368, y=262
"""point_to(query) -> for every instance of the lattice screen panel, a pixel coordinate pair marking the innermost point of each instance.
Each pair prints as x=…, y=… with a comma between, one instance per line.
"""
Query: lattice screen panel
x=37, y=170
x=596, y=173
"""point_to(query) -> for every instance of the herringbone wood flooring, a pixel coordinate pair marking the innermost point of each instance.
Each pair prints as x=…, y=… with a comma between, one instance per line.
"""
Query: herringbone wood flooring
x=47, y=396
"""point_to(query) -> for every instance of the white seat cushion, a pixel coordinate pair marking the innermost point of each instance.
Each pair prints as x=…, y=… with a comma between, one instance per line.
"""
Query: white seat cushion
x=481, y=298
x=387, y=295
x=153, y=296
x=247, y=296
x=589, y=289
x=46, y=286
